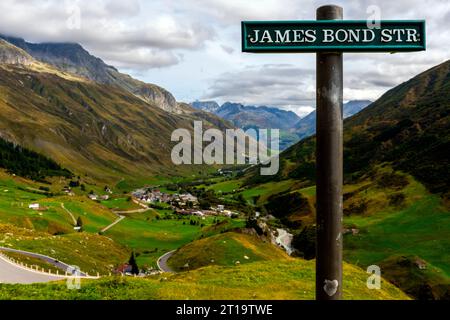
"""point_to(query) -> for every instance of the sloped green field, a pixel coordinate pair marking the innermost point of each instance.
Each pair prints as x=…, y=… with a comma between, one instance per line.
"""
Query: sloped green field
x=225, y=249
x=271, y=280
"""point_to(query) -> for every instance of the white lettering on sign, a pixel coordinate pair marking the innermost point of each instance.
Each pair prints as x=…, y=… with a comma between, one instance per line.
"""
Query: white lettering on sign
x=400, y=35
x=342, y=35
x=285, y=37
x=266, y=37
x=328, y=35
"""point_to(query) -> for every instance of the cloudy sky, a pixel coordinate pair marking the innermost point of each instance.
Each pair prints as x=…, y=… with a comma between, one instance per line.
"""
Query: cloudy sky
x=192, y=47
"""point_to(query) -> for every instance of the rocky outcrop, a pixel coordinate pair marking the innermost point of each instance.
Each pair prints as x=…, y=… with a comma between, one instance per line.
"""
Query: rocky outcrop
x=10, y=54
x=208, y=106
x=158, y=96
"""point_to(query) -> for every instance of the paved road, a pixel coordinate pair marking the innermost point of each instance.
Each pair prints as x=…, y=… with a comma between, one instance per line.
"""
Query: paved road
x=162, y=262
x=58, y=264
x=14, y=274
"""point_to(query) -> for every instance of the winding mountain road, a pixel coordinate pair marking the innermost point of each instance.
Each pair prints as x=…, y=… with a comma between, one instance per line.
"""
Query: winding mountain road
x=58, y=264
x=12, y=273
x=162, y=262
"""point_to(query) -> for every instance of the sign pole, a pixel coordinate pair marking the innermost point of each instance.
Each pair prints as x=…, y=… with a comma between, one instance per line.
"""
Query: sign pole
x=329, y=36
x=329, y=159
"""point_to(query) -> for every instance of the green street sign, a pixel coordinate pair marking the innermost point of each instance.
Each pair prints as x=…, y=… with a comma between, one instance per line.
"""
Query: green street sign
x=332, y=36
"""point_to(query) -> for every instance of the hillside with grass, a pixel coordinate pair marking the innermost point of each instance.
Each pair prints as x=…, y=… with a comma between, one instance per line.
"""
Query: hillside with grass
x=29, y=164
x=267, y=280
x=97, y=130
x=225, y=249
x=408, y=127
x=396, y=188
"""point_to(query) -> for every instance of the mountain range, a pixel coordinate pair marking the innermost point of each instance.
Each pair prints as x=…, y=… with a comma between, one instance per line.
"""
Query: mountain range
x=292, y=127
x=306, y=127
x=73, y=58
x=246, y=117
x=60, y=101
x=396, y=196
x=409, y=127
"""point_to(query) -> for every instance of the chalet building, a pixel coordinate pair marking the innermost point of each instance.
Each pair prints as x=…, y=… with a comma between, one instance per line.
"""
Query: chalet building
x=93, y=197
x=34, y=206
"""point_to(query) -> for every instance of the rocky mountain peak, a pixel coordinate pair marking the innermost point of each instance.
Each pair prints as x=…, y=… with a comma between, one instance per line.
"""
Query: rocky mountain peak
x=73, y=58
x=10, y=54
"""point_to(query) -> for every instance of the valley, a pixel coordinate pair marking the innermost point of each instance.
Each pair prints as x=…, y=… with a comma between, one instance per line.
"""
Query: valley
x=87, y=179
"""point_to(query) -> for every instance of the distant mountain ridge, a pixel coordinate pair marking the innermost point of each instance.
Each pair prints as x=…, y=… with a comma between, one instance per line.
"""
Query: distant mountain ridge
x=257, y=117
x=293, y=128
x=207, y=106
x=250, y=116
x=10, y=54
x=306, y=127
x=409, y=127
x=73, y=58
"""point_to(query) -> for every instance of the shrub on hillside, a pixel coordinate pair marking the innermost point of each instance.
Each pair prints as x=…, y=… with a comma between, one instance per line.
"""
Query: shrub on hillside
x=305, y=242
x=27, y=163
x=397, y=199
x=392, y=180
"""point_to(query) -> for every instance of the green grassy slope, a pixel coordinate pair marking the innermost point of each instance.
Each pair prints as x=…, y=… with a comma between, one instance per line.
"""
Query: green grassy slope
x=278, y=280
x=152, y=234
x=102, y=131
x=225, y=249
x=16, y=194
x=92, y=253
x=408, y=127
x=394, y=216
x=407, y=130
x=26, y=163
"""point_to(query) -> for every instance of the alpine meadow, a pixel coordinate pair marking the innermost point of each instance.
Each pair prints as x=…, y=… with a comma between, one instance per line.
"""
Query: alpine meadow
x=224, y=150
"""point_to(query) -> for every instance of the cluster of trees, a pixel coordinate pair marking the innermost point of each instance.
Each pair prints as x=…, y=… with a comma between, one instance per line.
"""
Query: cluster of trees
x=285, y=205
x=29, y=164
x=252, y=223
x=305, y=242
x=132, y=262
x=80, y=224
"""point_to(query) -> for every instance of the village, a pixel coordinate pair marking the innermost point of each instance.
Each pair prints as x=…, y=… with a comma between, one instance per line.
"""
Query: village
x=183, y=204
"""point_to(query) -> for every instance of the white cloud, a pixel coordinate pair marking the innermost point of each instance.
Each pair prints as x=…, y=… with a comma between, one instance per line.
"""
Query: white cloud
x=117, y=31
x=200, y=41
x=278, y=85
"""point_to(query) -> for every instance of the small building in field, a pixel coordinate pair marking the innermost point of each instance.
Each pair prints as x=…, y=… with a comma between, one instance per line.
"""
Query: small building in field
x=34, y=206
x=198, y=213
x=93, y=197
x=124, y=269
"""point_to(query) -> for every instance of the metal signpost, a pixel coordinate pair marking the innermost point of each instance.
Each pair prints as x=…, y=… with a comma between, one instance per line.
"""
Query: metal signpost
x=329, y=36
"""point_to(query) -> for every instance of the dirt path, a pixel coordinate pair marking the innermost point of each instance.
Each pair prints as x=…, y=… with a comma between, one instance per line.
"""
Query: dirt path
x=113, y=224
x=70, y=213
x=132, y=211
